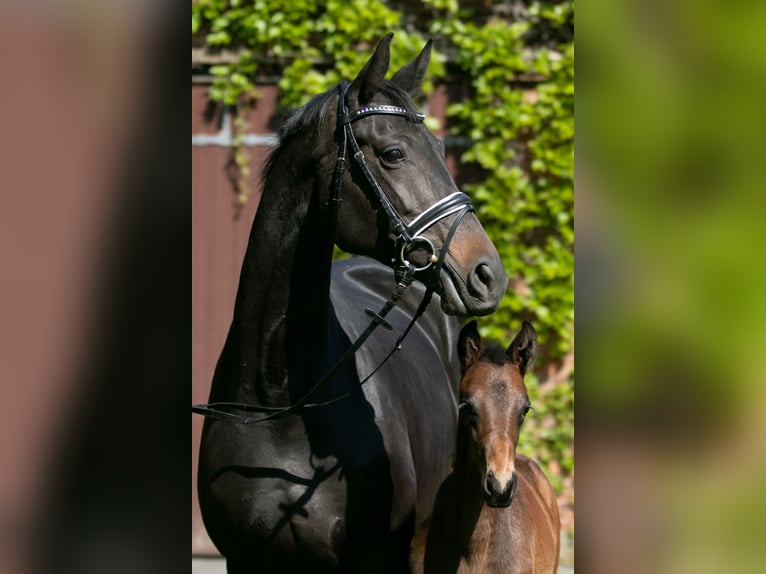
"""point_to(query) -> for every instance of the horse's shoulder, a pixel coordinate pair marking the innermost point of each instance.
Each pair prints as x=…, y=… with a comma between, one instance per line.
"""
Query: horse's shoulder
x=360, y=270
x=361, y=282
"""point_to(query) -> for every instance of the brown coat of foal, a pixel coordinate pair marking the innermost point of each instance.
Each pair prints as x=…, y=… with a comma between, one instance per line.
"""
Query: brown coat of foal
x=496, y=512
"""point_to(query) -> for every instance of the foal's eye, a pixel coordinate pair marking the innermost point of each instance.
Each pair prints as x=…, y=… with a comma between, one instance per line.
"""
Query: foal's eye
x=523, y=414
x=469, y=414
x=393, y=155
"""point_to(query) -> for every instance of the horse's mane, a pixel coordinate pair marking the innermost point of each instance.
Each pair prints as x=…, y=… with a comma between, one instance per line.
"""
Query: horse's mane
x=299, y=121
x=315, y=111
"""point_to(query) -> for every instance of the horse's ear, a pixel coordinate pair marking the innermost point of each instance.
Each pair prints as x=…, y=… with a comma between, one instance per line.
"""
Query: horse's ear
x=522, y=349
x=469, y=346
x=371, y=78
x=410, y=76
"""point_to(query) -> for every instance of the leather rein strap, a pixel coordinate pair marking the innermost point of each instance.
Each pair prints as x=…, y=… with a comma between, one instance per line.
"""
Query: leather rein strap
x=408, y=236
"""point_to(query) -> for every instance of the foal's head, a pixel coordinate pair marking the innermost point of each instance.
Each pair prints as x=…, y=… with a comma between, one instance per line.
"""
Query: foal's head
x=493, y=405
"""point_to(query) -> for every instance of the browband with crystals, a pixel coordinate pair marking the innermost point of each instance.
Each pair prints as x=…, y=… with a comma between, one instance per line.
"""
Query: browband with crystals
x=381, y=109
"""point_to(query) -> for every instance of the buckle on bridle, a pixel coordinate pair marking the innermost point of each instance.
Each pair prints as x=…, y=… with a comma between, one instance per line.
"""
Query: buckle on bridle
x=414, y=243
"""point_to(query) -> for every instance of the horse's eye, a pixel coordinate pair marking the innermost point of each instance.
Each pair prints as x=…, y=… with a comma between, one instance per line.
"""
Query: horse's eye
x=393, y=155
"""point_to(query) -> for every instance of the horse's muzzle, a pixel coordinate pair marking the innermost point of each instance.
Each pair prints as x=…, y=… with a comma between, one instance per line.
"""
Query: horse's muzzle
x=479, y=293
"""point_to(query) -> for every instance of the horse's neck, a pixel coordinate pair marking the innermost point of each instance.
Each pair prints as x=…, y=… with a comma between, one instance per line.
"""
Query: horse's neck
x=279, y=322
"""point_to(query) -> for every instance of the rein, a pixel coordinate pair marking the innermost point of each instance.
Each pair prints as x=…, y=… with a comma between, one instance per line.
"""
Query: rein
x=409, y=236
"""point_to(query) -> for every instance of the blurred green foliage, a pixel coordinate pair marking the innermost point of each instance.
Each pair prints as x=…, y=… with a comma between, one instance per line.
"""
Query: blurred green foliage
x=519, y=58
x=671, y=306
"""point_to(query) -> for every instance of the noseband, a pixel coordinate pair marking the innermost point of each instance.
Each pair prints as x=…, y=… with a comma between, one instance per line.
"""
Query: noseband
x=408, y=237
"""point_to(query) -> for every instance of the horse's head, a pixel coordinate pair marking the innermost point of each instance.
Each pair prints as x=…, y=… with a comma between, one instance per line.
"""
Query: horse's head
x=402, y=164
x=493, y=405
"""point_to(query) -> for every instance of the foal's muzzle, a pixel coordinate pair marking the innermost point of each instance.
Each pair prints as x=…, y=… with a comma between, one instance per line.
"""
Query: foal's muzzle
x=499, y=495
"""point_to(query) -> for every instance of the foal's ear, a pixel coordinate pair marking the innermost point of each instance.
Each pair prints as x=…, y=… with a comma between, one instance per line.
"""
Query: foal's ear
x=522, y=349
x=469, y=346
x=371, y=78
x=410, y=76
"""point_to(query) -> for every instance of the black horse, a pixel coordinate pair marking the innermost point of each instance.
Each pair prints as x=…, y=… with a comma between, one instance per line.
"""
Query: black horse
x=341, y=487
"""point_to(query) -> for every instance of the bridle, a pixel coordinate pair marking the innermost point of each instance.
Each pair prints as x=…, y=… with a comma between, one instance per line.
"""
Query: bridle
x=409, y=236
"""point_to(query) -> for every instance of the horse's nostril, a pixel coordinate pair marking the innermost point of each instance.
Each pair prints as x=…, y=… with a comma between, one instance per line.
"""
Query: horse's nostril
x=480, y=281
x=484, y=273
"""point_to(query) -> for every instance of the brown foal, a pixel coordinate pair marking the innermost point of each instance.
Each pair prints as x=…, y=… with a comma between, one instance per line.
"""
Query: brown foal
x=496, y=512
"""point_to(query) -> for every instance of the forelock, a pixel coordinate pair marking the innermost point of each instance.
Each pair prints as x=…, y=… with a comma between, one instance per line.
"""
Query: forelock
x=494, y=353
